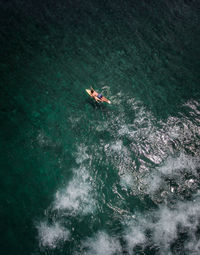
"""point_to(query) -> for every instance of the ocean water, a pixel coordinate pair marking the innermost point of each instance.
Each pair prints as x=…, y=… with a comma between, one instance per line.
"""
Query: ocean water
x=79, y=177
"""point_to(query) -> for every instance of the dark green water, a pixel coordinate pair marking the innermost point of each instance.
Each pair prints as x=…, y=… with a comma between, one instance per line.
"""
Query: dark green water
x=79, y=177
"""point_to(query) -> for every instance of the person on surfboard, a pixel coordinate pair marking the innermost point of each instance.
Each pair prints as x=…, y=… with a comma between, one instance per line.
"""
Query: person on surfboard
x=97, y=97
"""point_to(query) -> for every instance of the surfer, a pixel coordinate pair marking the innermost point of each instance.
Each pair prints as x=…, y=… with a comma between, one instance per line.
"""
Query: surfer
x=96, y=96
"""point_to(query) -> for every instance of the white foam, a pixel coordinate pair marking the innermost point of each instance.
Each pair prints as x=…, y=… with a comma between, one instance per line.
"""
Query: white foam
x=133, y=237
x=185, y=215
x=182, y=162
x=126, y=180
x=156, y=148
x=165, y=225
x=148, y=141
x=154, y=182
x=102, y=126
x=77, y=197
x=51, y=235
x=177, y=169
x=81, y=155
x=117, y=146
x=118, y=149
x=102, y=244
x=162, y=139
x=193, y=246
x=125, y=130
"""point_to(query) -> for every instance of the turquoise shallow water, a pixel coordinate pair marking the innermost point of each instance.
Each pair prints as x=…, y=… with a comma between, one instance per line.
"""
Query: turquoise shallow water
x=79, y=177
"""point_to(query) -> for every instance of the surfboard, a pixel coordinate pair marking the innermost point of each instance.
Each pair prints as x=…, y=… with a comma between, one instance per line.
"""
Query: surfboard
x=103, y=99
x=88, y=91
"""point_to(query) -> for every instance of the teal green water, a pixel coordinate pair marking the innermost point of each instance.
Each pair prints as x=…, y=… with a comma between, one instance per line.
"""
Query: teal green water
x=79, y=177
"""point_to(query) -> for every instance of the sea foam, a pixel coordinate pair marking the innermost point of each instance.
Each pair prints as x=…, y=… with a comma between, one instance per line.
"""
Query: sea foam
x=75, y=200
x=166, y=225
x=51, y=235
x=77, y=197
x=102, y=244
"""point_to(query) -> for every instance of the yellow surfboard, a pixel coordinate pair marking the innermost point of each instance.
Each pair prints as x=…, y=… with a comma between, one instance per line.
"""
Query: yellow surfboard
x=88, y=91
